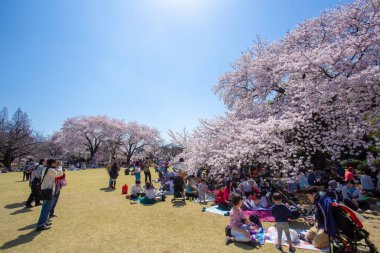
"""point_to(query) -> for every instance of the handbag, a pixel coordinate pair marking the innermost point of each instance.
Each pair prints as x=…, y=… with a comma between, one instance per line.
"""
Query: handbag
x=63, y=182
x=46, y=194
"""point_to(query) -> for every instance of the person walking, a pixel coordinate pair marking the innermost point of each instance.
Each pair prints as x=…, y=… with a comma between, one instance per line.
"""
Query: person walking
x=49, y=174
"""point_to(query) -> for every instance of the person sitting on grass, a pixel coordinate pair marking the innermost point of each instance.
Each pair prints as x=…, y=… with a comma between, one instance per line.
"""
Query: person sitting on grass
x=136, y=190
x=353, y=198
x=228, y=191
x=236, y=215
x=251, y=227
x=367, y=183
x=168, y=187
x=220, y=200
x=281, y=213
x=191, y=191
x=150, y=195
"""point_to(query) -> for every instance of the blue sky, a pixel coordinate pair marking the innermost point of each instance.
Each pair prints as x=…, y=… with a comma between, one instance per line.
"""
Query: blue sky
x=150, y=61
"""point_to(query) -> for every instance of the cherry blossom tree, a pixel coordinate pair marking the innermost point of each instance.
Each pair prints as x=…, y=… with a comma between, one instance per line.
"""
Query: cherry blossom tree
x=89, y=133
x=302, y=99
x=137, y=137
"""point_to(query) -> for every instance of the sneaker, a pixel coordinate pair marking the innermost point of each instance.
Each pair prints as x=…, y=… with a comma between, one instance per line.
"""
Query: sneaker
x=292, y=249
x=48, y=223
x=228, y=240
x=42, y=228
x=28, y=206
x=53, y=216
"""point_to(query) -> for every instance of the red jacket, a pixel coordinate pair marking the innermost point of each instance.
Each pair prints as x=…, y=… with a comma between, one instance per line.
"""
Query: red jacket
x=220, y=198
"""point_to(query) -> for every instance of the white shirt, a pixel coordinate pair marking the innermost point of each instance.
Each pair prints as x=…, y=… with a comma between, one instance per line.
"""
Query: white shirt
x=136, y=189
x=150, y=193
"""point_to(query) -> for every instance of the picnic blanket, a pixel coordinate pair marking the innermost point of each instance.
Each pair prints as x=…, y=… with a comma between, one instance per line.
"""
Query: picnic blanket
x=263, y=214
x=208, y=199
x=300, y=245
x=216, y=210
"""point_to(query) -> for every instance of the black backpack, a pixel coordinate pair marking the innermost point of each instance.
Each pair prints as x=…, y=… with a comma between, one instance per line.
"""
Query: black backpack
x=36, y=182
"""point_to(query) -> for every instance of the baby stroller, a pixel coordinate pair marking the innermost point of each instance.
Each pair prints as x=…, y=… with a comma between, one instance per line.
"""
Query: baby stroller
x=351, y=234
x=179, y=195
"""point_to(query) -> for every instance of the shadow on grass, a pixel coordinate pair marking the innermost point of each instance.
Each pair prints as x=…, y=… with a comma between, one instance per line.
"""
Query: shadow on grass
x=15, y=205
x=21, y=239
x=179, y=204
x=31, y=226
x=106, y=189
x=23, y=210
x=245, y=246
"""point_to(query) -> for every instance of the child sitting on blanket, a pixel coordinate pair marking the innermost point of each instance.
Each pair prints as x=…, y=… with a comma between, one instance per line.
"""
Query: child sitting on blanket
x=251, y=227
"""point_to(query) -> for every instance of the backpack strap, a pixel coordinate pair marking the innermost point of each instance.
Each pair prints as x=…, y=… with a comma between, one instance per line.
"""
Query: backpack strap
x=46, y=170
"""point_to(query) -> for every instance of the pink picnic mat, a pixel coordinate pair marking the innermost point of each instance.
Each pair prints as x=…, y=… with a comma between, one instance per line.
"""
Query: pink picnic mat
x=264, y=215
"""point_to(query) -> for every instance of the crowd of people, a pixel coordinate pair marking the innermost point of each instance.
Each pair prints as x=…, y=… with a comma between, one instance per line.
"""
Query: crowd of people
x=246, y=188
x=249, y=188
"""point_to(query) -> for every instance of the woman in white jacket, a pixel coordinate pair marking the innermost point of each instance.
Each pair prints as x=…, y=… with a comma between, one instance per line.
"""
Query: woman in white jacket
x=48, y=183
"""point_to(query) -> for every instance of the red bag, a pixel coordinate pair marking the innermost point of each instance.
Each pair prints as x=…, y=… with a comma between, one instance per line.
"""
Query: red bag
x=124, y=189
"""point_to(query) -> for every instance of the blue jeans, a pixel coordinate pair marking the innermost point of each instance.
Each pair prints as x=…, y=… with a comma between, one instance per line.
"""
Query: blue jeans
x=45, y=210
x=55, y=200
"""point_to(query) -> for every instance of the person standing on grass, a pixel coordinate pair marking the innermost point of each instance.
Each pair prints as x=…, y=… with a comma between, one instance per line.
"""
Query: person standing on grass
x=108, y=169
x=281, y=213
x=137, y=171
x=114, y=174
x=48, y=176
x=59, y=183
x=24, y=171
x=236, y=216
x=29, y=169
x=35, y=184
x=146, y=167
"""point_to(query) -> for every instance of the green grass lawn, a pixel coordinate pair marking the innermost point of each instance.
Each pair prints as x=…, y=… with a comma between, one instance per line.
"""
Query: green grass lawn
x=92, y=219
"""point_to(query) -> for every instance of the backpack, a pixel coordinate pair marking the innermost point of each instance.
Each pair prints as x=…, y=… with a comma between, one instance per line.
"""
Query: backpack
x=36, y=182
x=124, y=189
